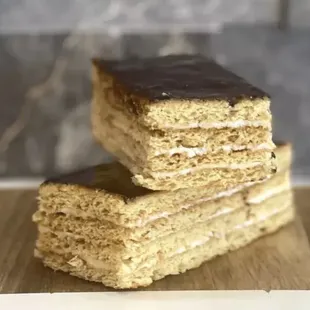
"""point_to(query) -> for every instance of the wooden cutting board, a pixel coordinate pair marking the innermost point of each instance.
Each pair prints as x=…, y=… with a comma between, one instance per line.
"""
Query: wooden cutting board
x=279, y=261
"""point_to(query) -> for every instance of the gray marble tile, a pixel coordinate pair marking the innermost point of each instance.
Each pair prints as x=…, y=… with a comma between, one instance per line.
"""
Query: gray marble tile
x=300, y=13
x=165, y=44
x=131, y=15
x=47, y=129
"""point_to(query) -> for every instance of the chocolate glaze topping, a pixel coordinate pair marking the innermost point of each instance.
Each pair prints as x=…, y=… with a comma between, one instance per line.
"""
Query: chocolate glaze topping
x=113, y=178
x=179, y=77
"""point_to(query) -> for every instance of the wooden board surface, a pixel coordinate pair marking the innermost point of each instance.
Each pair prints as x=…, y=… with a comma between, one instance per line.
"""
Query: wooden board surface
x=280, y=261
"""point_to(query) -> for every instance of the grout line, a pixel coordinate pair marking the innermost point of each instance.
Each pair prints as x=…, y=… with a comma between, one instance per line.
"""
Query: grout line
x=300, y=181
x=284, y=14
x=20, y=183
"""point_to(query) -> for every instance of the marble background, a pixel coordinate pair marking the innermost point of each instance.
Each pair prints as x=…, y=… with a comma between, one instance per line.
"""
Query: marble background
x=131, y=15
x=45, y=51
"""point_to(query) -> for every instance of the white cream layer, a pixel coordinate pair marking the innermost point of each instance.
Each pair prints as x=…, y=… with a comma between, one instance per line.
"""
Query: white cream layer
x=153, y=217
x=262, y=218
x=142, y=223
x=246, y=224
x=234, y=124
x=264, y=196
x=98, y=264
x=198, y=151
x=170, y=174
x=269, y=193
x=145, y=221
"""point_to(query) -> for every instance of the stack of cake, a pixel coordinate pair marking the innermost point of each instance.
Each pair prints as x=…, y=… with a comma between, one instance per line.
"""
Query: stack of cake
x=182, y=121
x=196, y=175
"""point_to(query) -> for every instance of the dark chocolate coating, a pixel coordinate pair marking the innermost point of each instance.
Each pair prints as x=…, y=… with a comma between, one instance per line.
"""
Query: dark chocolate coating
x=179, y=77
x=113, y=178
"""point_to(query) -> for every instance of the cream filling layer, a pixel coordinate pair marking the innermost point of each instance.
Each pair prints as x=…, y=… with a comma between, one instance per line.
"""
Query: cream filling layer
x=213, y=216
x=98, y=264
x=219, y=124
x=202, y=150
x=170, y=174
x=269, y=193
x=153, y=217
x=246, y=224
x=145, y=221
x=233, y=124
x=198, y=151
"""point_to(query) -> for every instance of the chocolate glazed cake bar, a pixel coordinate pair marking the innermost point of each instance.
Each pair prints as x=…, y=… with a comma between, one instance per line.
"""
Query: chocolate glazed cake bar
x=97, y=225
x=182, y=121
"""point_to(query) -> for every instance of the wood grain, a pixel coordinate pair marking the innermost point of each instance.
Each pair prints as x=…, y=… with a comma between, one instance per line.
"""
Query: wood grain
x=280, y=261
x=302, y=200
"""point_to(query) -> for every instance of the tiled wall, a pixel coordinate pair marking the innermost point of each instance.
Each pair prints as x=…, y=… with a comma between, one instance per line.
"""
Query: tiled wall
x=132, y=15
x=44, y=67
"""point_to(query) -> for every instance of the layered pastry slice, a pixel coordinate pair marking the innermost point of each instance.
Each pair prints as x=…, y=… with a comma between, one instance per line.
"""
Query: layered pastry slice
x=97, y=225
x=181, y=121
